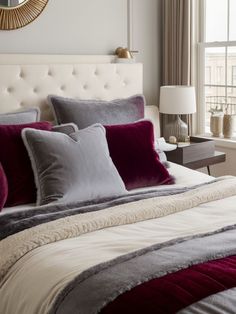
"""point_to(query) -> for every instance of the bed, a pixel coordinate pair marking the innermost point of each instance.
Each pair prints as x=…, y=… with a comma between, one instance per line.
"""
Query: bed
x=159, y=249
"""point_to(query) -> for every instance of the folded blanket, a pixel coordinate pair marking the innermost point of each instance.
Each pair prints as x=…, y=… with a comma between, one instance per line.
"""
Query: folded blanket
x=24, y=243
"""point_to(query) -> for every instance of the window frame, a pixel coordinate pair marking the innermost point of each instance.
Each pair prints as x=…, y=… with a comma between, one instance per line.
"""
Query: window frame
x=202, y=46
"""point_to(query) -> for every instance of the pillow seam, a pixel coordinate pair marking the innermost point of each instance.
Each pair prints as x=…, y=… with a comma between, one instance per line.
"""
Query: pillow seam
x=31, y=154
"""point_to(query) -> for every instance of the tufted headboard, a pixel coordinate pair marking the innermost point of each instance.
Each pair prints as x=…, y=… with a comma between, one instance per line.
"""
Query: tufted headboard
x=27, y=80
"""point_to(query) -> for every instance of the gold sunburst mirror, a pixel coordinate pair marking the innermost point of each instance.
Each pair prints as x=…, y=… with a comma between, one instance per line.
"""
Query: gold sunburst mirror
x=18, y=13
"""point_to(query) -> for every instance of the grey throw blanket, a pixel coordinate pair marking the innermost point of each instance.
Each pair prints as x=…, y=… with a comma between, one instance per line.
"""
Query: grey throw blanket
x=124, y=273
x=15, y=222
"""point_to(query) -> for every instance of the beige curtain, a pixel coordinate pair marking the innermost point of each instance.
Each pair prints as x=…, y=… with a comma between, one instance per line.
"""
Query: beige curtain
x=177, y=45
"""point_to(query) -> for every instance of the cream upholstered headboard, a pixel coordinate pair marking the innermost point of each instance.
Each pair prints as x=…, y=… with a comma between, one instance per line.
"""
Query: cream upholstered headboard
x=27, y=80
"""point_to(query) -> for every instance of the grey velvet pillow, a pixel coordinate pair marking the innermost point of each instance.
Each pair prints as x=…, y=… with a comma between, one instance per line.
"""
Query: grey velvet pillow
x=87, y=112
x=67, y=128
x=20, y=117
x=72, y=168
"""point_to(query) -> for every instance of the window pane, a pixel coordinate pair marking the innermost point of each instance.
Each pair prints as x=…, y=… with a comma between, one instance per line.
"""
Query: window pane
x=208, y=75
x=231, y=104
x=232, y=20
x=231, y=101
x=215, y=66
x=216, y=20
x=231, y=66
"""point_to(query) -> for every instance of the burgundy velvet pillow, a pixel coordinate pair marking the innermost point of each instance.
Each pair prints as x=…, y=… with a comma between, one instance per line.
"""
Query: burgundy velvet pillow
x=3, y=187
x=16, y=163
x=132, y=150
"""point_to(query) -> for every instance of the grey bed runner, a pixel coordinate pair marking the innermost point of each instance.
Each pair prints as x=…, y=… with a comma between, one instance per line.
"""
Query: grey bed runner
x=15, y=222
x=122, y=274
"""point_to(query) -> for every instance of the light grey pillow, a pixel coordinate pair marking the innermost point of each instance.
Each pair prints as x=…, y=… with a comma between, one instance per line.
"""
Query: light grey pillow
x=67, y=128
x=87, y=112
x=20, y=117
x=72, y=168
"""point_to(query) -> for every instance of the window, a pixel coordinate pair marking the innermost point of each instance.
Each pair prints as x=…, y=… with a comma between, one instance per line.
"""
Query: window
x=217, y=59
x=234, y=75
x=208, y=74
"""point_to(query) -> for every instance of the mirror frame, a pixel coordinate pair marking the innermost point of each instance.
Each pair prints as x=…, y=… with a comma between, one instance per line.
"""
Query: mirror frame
x=21, y=15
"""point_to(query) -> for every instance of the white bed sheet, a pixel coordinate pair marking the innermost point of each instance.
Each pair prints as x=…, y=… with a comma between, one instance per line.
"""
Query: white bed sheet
x=183, y=176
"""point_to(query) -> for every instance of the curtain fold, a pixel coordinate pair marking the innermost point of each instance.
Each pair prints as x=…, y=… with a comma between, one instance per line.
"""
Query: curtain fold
x=177, y=46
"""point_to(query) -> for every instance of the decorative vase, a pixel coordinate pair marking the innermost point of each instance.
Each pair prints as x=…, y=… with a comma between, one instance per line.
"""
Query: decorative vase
x=216, y=125
x=228, y=125
x=177, y=128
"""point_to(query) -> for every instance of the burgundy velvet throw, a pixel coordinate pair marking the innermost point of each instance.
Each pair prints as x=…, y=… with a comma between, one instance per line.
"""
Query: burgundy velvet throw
x=3, y=187
x=132, y=150
x=174, y=292
x=16, y=164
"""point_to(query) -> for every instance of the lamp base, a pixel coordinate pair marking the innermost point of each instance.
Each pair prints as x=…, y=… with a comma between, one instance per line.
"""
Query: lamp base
x=177, y=128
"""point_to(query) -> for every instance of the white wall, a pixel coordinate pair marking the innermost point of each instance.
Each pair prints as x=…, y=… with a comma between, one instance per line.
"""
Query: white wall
x=94, y=27
x=146, y=37
x=228, y=167
x=224, y=168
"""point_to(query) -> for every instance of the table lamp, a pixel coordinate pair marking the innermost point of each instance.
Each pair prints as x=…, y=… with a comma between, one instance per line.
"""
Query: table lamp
x=177, y=100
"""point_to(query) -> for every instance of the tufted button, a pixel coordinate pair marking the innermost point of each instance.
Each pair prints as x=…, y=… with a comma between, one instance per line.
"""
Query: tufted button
x=49, y=73
x=63, y=87
x=22, y=104
x=10, y=89
x=74, y=72
x=106, y=86
x=85, y=86
x=36, y=90
x=96, y=72
x=21, y=75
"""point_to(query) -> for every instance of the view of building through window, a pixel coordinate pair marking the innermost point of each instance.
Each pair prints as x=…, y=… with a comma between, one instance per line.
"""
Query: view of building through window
x=220, y=57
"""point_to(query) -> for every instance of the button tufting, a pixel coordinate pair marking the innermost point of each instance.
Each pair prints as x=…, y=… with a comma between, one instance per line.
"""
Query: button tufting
x=10, y=89
x=63, y=87
x=49, y=73
x=21, y=75
x=85, y=86
x=106, y=86
x=35, y=90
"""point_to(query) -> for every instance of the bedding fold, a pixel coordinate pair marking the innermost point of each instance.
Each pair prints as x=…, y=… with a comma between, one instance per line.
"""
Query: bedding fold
x=122, y=266
x=16, y=222
x=122, y=274
x=17, y=245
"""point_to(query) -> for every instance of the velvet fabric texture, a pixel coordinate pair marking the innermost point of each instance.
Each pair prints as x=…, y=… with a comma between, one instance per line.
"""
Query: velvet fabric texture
x=3, y=187
x=174, y=292
x=132, y=150
x=16, y=163
x=20, y=117
x=87, y=112
x=72, y=168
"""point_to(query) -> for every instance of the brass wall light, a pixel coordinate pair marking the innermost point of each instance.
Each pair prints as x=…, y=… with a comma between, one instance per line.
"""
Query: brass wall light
x=125, y=53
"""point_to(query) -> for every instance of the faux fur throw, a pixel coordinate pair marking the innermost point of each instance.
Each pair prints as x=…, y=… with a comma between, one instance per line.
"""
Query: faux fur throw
x=17, y=245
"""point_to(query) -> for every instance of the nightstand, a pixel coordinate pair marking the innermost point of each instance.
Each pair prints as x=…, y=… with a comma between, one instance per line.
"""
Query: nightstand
x=199, y=153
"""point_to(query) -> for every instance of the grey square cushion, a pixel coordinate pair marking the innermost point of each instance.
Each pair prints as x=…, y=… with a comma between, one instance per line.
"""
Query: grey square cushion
x=72, y=168
x=67, y=128
x=87, y=112
x=20, y=117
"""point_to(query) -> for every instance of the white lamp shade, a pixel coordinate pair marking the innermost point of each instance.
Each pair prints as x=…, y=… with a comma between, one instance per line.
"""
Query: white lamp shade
x=177, y=99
